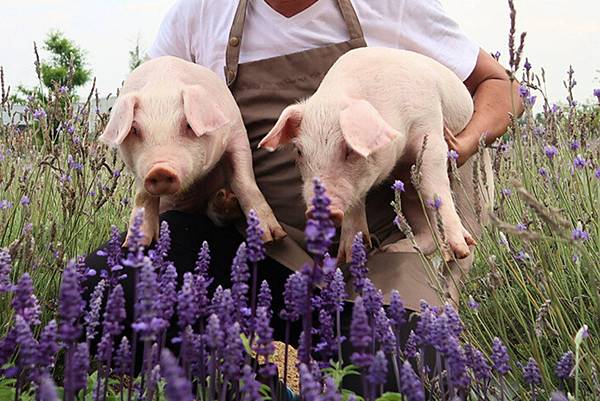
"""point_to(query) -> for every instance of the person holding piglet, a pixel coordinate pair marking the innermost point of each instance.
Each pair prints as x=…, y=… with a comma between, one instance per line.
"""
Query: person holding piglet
x=273, y=53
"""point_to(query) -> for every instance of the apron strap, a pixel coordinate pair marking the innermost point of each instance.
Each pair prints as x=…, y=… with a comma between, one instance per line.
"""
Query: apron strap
x=234, y=42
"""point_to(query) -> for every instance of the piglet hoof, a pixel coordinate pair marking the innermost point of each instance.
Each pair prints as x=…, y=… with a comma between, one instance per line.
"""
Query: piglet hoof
x=459, y=245
x=272, y=231
x=147, y=237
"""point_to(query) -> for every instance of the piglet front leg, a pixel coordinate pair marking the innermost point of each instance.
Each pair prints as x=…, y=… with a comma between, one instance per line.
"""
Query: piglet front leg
x=355, y=221
x=150, y=226
x=435, y=189
x=243, y=185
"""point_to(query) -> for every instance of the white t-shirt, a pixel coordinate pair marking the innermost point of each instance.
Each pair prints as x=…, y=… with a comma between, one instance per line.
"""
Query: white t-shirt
x=198, y=30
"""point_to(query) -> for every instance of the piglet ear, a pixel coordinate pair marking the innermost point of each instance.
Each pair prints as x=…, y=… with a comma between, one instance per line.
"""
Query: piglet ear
x=363, y=128
x=203, y=114
x=121, y=118
x=285, y=129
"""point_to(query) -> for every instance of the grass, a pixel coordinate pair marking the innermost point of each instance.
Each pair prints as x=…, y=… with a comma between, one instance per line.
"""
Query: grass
x=60, y=191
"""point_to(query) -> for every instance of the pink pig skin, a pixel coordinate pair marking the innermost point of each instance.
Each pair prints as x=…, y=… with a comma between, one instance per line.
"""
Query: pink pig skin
x=370, y=114
x=179, y=130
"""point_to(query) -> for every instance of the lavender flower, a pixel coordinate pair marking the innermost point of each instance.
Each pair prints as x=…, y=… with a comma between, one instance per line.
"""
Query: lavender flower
x=319, y=229
x=410, y=385
x=79, y=368
x=410, y=348
x=123, y=358
x=558, y=396
x=565, y=365
x=531, y=373
x=92, y=317
x=167, y=293
x=25, y=302
x=472, y=304
x=378, y=370
x=500, y=357
x=358, y=266
x=48, y=346
x=178, y=387
x=360, y=334
x=5, y=269
x=328, y=344
x=334, y=292
x=7, y=346
x=163, y=245
x=295, y=297
x=527, y=65
x=240, y=274
x=114, y=314
x=25, y=201
x=147, y=321
x=579, y=162
x=203, y=261
x=426, y=324
x=46, y=390
x=478, y=363
x=435, y=203
x=578, y=234
x=311, y=390
x=214, y=334
x=187, y=309
x=396, y=311
x=255, y=248
x=456, y=325
x=251, y=387
x=551, y=151
x=330, y=392
x=398, y=185
x=27, y=344
x=441, y=334
x=457, y=364
x=265, y=298
x=597, y=94
x=70, y=305
x=233, y=353
x=264, y=342
x=39, y=114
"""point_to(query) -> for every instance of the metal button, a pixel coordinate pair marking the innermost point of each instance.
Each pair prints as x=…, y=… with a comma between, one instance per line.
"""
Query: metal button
x=234, y=41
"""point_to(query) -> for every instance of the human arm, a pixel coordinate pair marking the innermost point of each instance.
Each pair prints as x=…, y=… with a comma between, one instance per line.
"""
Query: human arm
x=495, y=98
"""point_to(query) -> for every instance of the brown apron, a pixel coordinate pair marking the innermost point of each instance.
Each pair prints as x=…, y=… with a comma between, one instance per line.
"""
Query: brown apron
x=262, y=90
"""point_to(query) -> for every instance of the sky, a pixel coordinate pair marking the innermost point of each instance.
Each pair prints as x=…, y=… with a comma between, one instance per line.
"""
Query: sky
x=559, y=33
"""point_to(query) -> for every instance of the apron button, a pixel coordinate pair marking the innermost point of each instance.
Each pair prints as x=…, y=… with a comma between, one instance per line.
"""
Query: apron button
x=234, y=41
x=230, y=74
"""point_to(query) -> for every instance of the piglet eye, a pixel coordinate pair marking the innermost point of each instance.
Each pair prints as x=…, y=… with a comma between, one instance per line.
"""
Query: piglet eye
x=298, y=152
x=134, y=131
x=348, y=154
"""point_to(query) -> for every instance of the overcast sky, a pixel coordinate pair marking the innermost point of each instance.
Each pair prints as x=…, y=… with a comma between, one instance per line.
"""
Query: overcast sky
x=560, y=32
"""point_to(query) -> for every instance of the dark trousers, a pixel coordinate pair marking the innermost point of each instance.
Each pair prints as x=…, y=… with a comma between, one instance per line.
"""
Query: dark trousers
x=187, y=234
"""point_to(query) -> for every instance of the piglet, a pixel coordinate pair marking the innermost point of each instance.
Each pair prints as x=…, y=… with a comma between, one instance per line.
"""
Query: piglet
x=179, y=130
x=368, y=117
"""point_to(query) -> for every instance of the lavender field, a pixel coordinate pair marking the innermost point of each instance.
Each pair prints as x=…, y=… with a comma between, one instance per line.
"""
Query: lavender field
x=529, y=314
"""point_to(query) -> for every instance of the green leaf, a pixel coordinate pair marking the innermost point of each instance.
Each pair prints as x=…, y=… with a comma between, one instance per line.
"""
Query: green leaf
x=246, y=342
x=390, y=397
x=347, y=393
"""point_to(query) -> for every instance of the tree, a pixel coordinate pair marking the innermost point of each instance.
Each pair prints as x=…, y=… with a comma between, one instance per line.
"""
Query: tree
x=135, y=55
x=65, y=56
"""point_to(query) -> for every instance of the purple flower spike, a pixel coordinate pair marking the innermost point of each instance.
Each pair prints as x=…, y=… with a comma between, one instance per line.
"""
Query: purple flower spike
x=92, y=317
x=214, y=333
x=410, y=385
x=579, y=162
x=295, y=297
x=531, y=373
x=456, y=325
x=398, y=185
x=452, y=154
x=597, y=94
x=558, y=396
x=5, y=270
x=48, y=346
x=167, y=292
x=565, y=365
x=255, y=247
x=334, y=292
x=27, y=344
x=114, y=314
x=25, y=302
x=163, y=245
x=80, y=367
x=578, y=234
x=187, y=309
x=264, y=343
x=396, y=311
x=233, y=353
x=147, y=323
x=240, y=274
x=319, y=229
x=265, y=298
x=457, y=364
x=46, y=390
x=410, y=348
x=311, y=390
x=478, y=363
x=203, y=261
x=378, y=369
x=328, y=344
x=358, y=266
x=70, y=305
x=551, y=151
x=123, y=358
x=500, y=357
x=178, y=387
x=360, y=334
x=251, y=387
x=330, y=392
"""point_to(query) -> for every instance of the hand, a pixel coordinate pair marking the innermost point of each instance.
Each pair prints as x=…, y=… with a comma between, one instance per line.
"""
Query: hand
x=463, y=144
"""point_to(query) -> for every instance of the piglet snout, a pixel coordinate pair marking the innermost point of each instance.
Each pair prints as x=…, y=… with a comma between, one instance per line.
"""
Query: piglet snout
x=162, y=180
x=337, y=215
